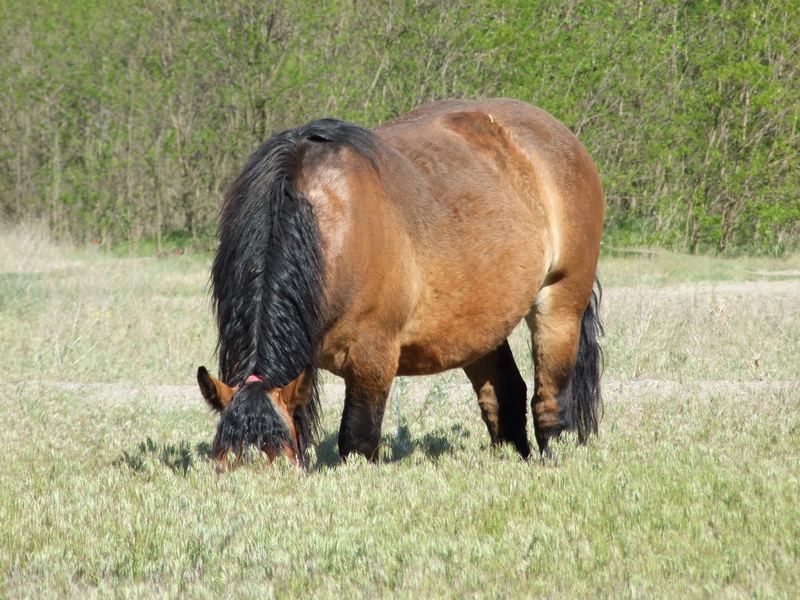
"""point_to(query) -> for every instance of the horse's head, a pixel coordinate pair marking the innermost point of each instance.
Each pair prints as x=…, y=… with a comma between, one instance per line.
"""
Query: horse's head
x=254, y=414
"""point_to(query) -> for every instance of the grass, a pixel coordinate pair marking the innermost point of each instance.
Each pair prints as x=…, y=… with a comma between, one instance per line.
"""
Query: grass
x=659, y=268
x=106, y=488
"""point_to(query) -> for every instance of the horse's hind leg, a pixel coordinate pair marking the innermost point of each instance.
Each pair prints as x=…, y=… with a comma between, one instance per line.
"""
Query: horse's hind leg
x=562, y=319
x=502, y=396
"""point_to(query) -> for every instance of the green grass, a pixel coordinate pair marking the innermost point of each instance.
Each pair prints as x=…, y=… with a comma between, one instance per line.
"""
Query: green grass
x=106, y=488
x=658, y=268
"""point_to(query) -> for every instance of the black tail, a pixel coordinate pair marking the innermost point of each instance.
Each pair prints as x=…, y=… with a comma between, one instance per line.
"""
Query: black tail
x=586, y=403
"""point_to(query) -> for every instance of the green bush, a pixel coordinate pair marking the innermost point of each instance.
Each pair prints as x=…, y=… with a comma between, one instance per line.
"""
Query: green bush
x=124, y=121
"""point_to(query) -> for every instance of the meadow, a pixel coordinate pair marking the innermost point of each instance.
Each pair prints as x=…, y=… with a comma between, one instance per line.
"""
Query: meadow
x=106, y=487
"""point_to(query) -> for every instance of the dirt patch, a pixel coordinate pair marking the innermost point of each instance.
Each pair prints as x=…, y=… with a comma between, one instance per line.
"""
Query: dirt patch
x=793, y=273
x=414, y=391
x=790, y=288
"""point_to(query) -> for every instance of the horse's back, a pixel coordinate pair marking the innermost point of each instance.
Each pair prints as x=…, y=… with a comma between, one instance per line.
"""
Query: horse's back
x=512, y=153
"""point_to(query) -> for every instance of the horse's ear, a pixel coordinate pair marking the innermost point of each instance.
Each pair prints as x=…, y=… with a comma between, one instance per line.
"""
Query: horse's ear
x=217, y=394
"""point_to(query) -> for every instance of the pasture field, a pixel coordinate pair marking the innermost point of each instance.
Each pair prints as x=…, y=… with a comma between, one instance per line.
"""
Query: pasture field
x=106, y=488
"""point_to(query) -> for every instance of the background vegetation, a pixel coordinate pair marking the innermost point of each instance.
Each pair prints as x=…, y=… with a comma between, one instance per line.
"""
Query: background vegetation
x=122, y=122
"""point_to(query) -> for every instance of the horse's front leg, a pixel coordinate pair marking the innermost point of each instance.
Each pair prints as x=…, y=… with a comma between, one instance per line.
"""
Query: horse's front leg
x=368, y=380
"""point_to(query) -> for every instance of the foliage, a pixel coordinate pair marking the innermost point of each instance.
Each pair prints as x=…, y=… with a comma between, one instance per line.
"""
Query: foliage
x=124, y=121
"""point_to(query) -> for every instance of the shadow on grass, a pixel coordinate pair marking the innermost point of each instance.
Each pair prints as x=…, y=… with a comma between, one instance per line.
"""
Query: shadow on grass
x=328, y=451
x=203, y=449
x=178, y=458
x=401, y=445
x=433, y=444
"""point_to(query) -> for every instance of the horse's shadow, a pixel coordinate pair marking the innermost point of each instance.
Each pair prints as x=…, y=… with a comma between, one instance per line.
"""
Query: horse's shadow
x=397, y=446
x=180, y=458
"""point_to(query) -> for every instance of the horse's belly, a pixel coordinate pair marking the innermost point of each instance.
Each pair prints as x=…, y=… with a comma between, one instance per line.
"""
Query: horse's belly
x=467, y=306
x=429, y=358
x=458, y=340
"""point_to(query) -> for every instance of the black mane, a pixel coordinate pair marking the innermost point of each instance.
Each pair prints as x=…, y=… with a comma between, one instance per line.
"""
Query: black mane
x=267, y=275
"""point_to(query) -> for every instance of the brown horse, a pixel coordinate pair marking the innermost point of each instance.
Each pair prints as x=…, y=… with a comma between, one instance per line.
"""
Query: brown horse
x=406, y=250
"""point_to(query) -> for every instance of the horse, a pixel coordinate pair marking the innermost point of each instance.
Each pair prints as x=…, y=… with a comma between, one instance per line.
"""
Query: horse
x=408, y=249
